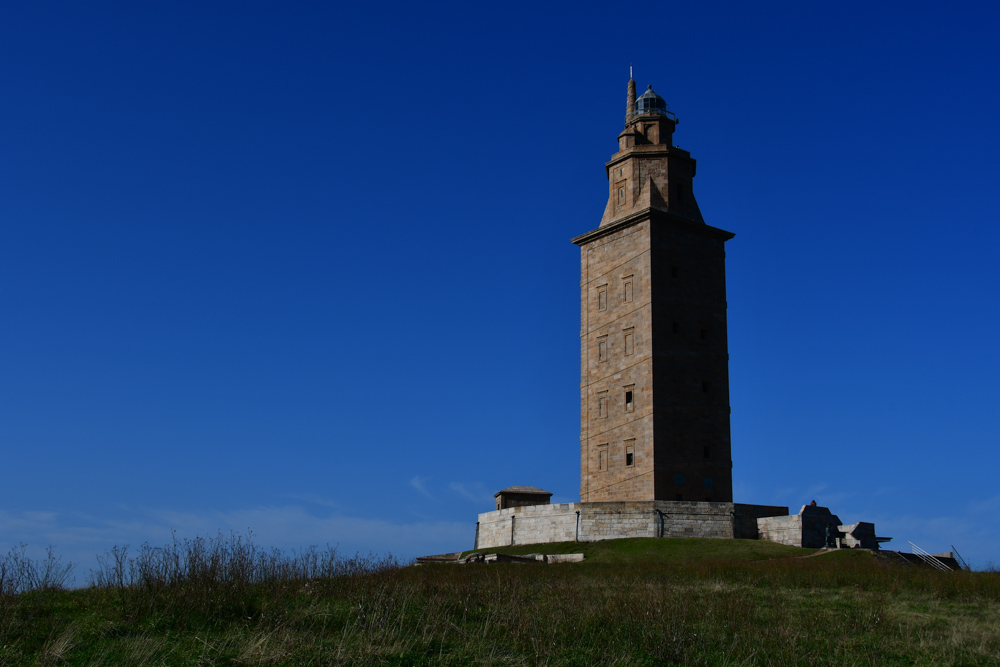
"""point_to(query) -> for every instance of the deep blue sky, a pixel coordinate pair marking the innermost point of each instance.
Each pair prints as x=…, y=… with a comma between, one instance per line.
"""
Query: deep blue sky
x=306, y=269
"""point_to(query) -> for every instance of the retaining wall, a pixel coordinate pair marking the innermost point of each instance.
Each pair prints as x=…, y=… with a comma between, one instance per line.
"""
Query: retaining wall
x=805, y=529
x=588, y=522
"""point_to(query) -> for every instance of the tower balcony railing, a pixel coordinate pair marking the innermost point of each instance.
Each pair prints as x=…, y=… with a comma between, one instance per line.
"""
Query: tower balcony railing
x=655, y=112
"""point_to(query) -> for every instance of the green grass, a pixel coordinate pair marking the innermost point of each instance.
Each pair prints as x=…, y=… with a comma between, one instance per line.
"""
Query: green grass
x=673, y=550
x=631, y=602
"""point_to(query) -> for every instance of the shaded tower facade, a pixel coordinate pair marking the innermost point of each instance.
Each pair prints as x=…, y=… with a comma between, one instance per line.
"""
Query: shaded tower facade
x=654, y=400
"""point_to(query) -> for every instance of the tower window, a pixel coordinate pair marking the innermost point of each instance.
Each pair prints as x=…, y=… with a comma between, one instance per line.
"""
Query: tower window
x=629, y=453
x=602, y=349
x=708, y=483
x=602, y=404
x=629, y=394
x=602, y=457
x=629, y=341
x=627, y=288
x=602, y=297
x=621, y=194
x=679, y=480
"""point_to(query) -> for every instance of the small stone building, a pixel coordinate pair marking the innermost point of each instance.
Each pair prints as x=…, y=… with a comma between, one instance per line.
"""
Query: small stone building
x=521, y=496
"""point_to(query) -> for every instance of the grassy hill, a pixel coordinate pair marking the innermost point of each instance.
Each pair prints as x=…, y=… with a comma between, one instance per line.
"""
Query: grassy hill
x=631, y=602
x=650, y=552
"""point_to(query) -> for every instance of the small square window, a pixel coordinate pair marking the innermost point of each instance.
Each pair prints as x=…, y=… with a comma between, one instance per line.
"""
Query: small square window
x=602, y=349
x=679, y=479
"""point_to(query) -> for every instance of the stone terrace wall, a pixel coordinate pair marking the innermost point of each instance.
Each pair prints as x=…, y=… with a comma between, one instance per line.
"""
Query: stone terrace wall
x=604, y=521
x=532, y=525
x=694, y=519
x=745, y=524
x=805, y=529
x=781, y=529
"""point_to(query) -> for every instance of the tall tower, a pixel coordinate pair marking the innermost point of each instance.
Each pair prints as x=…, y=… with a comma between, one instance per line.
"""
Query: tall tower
x=654, y=391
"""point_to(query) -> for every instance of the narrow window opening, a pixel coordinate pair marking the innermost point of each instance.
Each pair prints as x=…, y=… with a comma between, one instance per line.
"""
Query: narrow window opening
x=602, y=298
x=602, y=457
x=627, y=289
x=602, y=404
x=602, y=349
x=629, y=341
x=629, y=403
x=630, y=454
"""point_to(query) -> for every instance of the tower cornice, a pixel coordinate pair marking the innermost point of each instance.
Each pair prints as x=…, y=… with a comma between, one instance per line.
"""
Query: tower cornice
x=655, y=216
x=650, y=151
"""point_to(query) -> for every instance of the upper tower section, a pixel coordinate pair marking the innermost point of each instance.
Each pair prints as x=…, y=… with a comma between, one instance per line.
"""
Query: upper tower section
x=648, y=172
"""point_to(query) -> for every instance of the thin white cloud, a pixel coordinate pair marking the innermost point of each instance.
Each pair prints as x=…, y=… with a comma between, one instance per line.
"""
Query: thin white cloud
x=418, y=483
x=475, y=492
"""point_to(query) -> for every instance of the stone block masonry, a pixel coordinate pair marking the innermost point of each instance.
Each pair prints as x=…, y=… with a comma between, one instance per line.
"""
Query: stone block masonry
x=589, y=522
x=654, y=355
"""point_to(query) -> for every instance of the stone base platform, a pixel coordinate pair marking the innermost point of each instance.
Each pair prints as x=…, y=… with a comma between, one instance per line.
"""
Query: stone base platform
x=589, y=522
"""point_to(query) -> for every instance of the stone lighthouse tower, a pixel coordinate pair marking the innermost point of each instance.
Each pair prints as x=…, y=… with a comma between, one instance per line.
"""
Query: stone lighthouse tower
x=654, y=390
